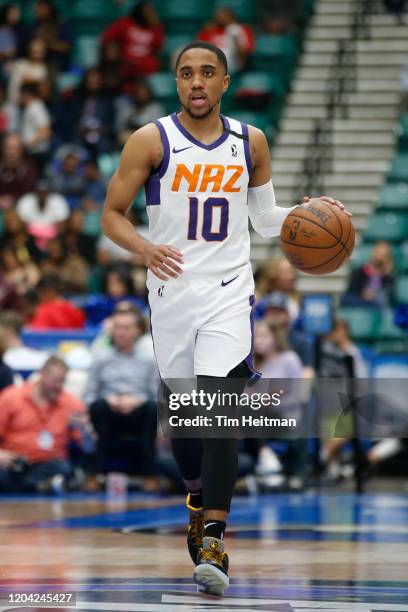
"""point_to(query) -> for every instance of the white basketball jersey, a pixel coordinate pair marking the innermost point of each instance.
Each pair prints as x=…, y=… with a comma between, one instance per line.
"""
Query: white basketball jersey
x=197, y=199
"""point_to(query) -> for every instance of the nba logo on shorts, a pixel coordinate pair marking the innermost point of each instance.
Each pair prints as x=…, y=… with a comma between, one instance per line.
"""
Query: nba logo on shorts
x=160, y=291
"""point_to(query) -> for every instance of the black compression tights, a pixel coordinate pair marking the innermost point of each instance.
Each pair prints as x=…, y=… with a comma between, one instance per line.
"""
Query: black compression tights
x=214, y=459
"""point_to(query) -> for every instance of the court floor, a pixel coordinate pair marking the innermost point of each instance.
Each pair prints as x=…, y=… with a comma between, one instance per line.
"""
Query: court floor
x=289, y=553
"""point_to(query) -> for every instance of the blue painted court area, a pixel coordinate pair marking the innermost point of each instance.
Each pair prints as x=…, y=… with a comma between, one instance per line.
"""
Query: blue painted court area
x=310, y=516
x=308, y=520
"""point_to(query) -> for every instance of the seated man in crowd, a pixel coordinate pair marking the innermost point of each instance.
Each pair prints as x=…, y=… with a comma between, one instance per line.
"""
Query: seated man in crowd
x=120, y=393
x=37, y=422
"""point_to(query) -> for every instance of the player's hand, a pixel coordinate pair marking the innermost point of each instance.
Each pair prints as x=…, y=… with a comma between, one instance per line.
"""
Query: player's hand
x=331, y=201
x=7, y=459
x=163, y=261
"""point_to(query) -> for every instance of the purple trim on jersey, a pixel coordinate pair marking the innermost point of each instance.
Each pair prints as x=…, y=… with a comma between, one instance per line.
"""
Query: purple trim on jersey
x=191, y=138
x=249, y=360
x=166, y=150
x=152, y=185
x=247, y=150
x=152, y=190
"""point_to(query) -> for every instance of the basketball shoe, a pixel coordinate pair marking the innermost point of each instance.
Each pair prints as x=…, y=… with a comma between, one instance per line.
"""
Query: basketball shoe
x=211, y=572
x=195, y=530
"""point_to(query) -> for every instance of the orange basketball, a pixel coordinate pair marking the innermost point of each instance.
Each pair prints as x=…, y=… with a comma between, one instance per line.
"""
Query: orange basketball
x=317, y=237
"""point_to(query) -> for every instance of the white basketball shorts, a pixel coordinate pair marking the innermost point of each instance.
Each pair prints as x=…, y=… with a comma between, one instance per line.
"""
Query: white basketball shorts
x=202, y=326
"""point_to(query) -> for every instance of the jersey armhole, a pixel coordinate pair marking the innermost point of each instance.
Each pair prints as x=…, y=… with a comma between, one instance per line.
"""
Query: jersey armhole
x=247, y=149
x=161, y=169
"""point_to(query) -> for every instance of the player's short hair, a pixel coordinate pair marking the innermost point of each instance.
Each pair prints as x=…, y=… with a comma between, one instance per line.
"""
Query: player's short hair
x=201, y=44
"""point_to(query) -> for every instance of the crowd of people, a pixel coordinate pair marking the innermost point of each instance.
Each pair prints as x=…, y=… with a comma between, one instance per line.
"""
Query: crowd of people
x=107, y=420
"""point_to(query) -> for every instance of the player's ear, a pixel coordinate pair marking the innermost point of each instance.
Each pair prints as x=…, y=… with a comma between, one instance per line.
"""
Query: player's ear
x=226, y=83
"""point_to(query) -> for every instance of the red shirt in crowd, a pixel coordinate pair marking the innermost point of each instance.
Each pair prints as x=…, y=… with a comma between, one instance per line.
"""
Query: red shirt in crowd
x=57, y=314
x=23, y=424
x=139, y=45
x=222, y=37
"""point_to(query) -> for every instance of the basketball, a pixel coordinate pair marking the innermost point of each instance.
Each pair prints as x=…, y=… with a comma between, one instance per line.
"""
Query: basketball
x=317, y=237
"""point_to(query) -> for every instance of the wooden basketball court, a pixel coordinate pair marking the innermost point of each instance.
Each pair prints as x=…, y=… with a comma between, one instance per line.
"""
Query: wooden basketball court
x=289, y=553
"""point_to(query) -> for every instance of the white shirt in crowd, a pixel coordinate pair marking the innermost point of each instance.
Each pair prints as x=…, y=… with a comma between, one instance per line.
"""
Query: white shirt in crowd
x=56, y=209
x=34, y=117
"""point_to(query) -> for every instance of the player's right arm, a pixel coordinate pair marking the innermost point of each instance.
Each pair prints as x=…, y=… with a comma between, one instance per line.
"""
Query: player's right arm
x=142, y=153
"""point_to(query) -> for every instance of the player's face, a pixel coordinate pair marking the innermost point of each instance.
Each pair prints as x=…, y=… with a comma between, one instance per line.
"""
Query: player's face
x=201, y=82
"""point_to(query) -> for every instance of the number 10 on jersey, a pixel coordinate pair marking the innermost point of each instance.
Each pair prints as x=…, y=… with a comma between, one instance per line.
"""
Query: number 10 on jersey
x=209, y=205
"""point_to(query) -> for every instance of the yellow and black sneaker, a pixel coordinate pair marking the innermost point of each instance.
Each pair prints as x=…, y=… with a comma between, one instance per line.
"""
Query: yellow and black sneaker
x=195, y=530
x=211, y=572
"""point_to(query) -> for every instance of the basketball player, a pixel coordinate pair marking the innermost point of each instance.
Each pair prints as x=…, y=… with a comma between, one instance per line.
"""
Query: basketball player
x=204, y=175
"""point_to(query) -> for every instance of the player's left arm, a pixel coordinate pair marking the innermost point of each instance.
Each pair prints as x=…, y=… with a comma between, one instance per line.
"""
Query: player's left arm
x=266, y=217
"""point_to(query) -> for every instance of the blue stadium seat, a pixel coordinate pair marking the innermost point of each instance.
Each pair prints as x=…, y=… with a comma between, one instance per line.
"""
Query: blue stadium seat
x=275, y=52
x=364, y=322
x=245, y=10
x=86, y=51
x=399, y=169
x=394, y=196
x=401, y=290
x=389, y=226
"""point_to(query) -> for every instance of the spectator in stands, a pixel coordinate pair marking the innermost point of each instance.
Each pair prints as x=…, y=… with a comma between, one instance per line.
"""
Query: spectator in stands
x=49, y=95
x=339, y=357
x=12, y=35
x=110, y=67
x=275, y=360
x=28, y=70
x=22, y=274
x=69, y=266
x=42, y=211
x=8, y=113
x=373, y=283
x=37, y=421
x=234, y=38
x=118, y=285
x=95, y=187
x=277, y=274
x=18, y=173
x=103, y=340
x=396, y=8
x=13, y=18
x=36, y=131
x=279, y=17
x=9, y=298
x=70, y=180
x=141, y=37
x=120, y=393
x=56, y=34
x=17, y=355
x=95, y=112
x=6, y=373
x=136, y=110
x=275, y=310
x=76, y=241
x=53, y=310
x=16, y=237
